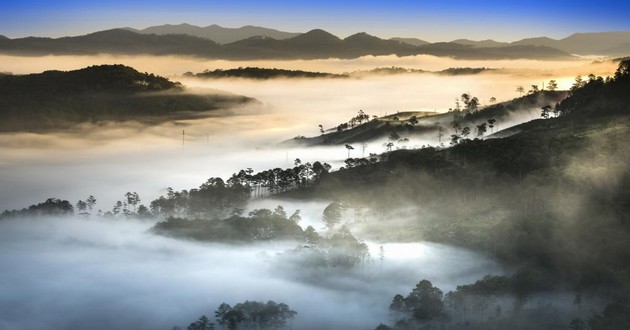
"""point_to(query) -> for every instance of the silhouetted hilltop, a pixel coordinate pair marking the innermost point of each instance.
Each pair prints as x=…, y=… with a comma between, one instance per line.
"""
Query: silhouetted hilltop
x=263, y=73
x=58, y=100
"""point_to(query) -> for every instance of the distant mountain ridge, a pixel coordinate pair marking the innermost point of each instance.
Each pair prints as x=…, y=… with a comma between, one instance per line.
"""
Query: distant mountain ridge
x=613, y=43
x=315, y=44
x=216, y=33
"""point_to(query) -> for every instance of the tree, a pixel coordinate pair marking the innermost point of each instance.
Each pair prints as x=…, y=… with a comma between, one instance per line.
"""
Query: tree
x=455, y=139
x=425, y=301
x=552, y=86
x=82, y=207
x=491, y=122
x=465, y=131
x=492, y=100
x=202, y=324
x=481, y=129
x=321, y=129
x=91, y=201
x=389, y=146
x=349, y=147
x=312, y=237
x=413, y=120
x=534, y=89
x=295, y=217
x=520, y=90
x=545, y=111
x=132, y=199
x=473, y=105
x=332, y=215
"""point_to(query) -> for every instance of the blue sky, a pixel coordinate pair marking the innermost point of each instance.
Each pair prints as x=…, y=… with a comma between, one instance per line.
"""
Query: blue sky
x=430, y=20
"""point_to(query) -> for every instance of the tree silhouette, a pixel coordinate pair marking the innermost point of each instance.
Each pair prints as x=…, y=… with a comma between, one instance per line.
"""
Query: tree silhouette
x=465, y=131
x=491, y=122
x=481, y=129
x=332, y=215
x=545, y=111
x=492, y=100
x=349, y=147
x=552, y=86
x=520, y=90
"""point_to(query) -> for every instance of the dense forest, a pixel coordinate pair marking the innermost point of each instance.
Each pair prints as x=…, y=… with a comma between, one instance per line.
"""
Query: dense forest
x=57, y=100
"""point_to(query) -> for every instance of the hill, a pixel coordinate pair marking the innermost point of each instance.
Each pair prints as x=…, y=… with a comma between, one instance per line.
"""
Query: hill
x=58, y=100
x=488, y=43
x=216, y=33
x=599, y=43
x=315, y=44
x=263, y=73
x=551, y=200
x=411, y=41
x=429, y=124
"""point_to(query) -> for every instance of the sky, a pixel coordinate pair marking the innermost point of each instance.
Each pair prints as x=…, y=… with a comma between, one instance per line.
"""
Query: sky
x=428, y=20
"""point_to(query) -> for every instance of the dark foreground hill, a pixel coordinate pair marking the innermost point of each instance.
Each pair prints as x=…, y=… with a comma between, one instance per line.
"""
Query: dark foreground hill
x=552, y=201
x=57, y=100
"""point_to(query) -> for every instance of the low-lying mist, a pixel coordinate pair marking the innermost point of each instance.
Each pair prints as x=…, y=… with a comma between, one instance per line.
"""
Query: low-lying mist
x=114, y=274
x=108, y=159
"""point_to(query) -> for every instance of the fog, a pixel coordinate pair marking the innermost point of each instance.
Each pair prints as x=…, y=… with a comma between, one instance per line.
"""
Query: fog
x=114, y=274
x=109, y=159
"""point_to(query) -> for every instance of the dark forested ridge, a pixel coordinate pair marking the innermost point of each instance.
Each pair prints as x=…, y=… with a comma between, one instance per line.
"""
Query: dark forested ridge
x=262, y=73
x=57, y=99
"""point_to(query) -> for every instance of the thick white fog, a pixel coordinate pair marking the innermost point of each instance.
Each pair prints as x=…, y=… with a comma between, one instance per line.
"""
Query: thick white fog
x=114, y=274
x=108, y=160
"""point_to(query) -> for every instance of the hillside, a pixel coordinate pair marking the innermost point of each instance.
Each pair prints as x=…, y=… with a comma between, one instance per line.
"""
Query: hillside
x=58, y=100
x=427, y=124
x=552, y=199
x=315, y=44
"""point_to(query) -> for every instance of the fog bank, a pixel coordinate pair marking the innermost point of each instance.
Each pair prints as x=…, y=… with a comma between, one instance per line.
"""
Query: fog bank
x=113, y=274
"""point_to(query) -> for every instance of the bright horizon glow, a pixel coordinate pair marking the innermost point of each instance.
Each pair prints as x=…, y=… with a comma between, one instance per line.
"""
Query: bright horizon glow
x=433, y=22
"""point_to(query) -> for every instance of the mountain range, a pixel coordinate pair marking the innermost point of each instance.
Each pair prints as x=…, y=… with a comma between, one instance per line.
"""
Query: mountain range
x=250, y=42
x=216, y=33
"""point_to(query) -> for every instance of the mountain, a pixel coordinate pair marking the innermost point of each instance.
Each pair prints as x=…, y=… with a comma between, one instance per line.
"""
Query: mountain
x=482, y=44
x=55, y=100
x=509, y=52
x=598, y=43
x=3, y=37
x=217, y=33
x=116, y=41
x=411, y=41
x=315, y=44
x=621, y=50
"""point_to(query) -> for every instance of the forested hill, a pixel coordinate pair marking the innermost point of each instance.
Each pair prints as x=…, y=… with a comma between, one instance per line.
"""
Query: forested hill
x=553, y=199
x=102, y=78
x=58, y=99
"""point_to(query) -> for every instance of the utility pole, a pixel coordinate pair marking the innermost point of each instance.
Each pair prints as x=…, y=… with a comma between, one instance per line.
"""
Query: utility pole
x=183, y=138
